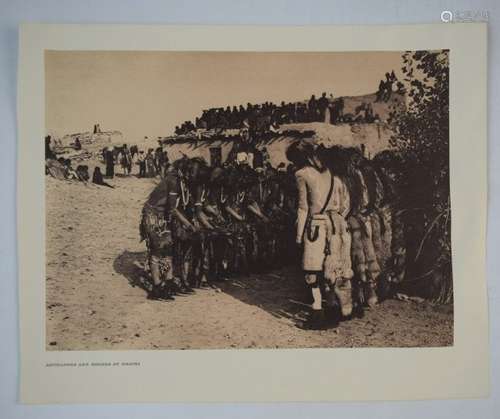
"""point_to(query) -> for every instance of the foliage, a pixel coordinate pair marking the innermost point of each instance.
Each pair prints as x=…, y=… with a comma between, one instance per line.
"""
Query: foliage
x=422, y=142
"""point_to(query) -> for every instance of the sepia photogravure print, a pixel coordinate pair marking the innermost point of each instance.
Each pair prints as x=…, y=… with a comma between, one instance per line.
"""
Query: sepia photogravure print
x=230, y=200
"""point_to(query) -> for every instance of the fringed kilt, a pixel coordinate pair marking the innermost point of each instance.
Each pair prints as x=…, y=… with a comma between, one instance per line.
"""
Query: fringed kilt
x=238, y=249
x=154, y=229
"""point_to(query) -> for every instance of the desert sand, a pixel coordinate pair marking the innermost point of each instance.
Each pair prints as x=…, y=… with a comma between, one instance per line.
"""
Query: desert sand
x=94, y=302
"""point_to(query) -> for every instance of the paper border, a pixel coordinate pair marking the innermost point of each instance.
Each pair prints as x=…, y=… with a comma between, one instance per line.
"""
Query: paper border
x=265, y=375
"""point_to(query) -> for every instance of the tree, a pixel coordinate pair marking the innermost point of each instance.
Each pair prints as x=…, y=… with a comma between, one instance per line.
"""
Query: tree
x=422, y=141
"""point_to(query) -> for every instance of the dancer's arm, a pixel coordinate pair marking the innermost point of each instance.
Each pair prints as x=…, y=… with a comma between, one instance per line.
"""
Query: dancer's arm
x=255, y=209
x=303, y=207
x=233, y=213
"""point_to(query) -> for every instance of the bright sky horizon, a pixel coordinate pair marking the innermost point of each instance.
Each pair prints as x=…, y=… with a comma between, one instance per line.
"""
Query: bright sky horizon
x=149, y=93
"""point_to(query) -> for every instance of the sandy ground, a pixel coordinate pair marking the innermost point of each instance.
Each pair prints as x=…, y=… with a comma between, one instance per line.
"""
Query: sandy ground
x=93, y=302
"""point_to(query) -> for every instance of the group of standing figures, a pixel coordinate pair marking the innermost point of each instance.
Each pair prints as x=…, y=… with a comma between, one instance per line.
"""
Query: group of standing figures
x=331, y=205
x=349, y=226
x=202, y=224
x=150, y=164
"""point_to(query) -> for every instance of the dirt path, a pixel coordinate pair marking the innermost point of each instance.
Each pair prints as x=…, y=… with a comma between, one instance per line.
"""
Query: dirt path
x=94, y=258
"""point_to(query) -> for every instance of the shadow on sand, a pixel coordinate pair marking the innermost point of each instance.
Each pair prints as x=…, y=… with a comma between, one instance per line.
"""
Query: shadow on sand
x=131, y=266
x=282, y=293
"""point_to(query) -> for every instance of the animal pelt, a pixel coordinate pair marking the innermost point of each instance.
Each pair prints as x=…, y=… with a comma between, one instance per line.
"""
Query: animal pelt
x=372, y=265
x=358, y=258
x=338, y=256
x=385, y=218
x=378, y=244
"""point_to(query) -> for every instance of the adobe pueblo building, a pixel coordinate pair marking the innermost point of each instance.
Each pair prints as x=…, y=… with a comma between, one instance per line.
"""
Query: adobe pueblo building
x=362, y=122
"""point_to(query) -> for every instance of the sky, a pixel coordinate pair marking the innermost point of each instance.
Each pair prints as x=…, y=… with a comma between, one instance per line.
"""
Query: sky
x=149, y=93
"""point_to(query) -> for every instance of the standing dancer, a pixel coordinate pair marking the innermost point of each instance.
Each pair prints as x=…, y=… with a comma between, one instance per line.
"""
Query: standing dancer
x=322, y=230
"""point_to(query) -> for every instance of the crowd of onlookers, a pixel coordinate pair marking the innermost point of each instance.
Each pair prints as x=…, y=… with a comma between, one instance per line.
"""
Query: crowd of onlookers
x=269, y=116
x=131, y=160
x=388, y=86
x=252, y=122
x=150, y=163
